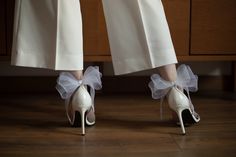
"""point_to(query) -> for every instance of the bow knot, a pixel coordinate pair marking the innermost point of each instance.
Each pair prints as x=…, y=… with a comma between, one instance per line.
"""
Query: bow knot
x=67, y=83
x=185, y=80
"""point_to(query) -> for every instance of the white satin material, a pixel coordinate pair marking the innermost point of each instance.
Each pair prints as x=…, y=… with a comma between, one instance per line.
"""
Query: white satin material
x=48, y=34
x=67, y=83
x=185, y=80
x=139, y=35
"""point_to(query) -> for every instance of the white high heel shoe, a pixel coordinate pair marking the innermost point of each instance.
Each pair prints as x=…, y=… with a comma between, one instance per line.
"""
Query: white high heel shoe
x=81, y=103
x=78, y=101
x=177, y=100
x=180, y=103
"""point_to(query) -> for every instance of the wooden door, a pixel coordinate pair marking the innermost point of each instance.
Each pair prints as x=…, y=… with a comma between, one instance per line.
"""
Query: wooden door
x=213, y=27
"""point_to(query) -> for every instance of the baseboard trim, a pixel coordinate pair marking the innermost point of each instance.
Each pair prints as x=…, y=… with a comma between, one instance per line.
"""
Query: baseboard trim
x=140, y=84
x=111, y=84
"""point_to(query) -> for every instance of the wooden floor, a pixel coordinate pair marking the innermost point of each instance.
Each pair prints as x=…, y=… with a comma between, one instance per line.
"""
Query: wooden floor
x=127, y=125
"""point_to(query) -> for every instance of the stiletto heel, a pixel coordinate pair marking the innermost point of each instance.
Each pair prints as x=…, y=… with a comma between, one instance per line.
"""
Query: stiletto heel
x=179, y=113
x=82, y=121
x=78, y=99
x=81, y=102
x=177, y=100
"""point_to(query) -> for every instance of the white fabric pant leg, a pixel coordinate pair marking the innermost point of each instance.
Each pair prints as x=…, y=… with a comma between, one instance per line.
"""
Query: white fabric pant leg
x=138, y=34
x=48, y=34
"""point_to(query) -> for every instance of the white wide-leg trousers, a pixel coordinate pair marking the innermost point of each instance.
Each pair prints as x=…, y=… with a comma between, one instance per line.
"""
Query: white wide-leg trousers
x=48, y=34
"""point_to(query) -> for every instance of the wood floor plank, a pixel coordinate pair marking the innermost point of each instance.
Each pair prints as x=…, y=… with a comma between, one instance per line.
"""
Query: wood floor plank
x=127, y=125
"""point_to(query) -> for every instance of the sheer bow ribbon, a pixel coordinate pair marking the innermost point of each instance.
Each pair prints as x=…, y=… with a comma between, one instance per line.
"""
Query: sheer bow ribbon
x=186, y=80
x=67, y=83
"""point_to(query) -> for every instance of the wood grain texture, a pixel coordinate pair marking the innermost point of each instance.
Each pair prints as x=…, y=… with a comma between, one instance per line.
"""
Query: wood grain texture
x=213, y=27
x=89, y=10
x=94, y=28
x=127, y=125
x=178, y=16
x=103, y=42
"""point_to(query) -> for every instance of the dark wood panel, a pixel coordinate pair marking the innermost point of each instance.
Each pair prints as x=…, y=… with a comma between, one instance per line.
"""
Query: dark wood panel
x=178, y=16
x=90, y=21
x=3, y=27
x=10, y=5
x=103, y=42
x=213, y=27
x=94, y=30
x=111, y=84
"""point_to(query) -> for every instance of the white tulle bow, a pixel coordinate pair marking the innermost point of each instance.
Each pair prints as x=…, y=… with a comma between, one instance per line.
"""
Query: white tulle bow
x=185, y=80
x=67, y=83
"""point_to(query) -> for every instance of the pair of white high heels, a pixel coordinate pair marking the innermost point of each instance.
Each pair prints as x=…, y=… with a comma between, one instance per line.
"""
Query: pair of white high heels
x=80, y=103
